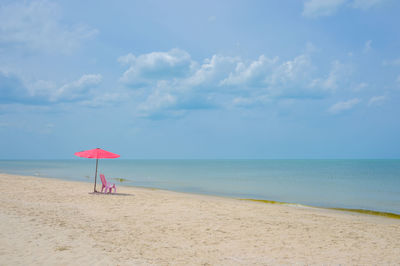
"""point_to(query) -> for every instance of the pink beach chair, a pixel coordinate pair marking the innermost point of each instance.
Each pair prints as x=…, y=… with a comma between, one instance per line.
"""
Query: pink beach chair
x=106, y=185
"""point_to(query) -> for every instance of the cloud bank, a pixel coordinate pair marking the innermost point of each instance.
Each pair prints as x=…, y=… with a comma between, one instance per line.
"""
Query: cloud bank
x=323, y=8
x=36, y=25
x=172, y=82
x=14, y=90
x=342, y=106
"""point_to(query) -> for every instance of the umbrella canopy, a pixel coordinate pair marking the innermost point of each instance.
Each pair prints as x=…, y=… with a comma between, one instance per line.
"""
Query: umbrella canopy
x=96, y=154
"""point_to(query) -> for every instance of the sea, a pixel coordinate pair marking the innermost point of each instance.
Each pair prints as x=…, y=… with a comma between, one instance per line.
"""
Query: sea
x=354, y=184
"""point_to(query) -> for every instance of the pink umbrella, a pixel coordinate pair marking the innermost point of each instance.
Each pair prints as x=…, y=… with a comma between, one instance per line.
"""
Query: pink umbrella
x=96, y=154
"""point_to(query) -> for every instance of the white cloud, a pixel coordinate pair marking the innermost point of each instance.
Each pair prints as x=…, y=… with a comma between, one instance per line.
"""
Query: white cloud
x=219, y=72
x=220, y=79
x=254, y=74
x=14, y=89
x=343, y=106
x=337, y=74
x=37, y=25
x=321, y=8
x=394, y=62
x=367, y=46
x=360, y=86
x=41, y=89
x=376, y=100
x=76, y=90
x=290, y=71
x=173, y=96
x=158, y=99
x=171, y=82
x=273, y=77
x=155, y=66
x=171, y=99
x=127, y=59
x=212, y=72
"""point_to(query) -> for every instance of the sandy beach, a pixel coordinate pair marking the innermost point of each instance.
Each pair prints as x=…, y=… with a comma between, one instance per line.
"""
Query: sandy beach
x=54, y=222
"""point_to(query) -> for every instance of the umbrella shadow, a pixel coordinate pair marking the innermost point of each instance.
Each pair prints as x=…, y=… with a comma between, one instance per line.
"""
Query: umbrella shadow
x=111, y=194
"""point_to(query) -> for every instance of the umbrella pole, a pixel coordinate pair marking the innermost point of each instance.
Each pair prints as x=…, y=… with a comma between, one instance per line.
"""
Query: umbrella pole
x=95, y=176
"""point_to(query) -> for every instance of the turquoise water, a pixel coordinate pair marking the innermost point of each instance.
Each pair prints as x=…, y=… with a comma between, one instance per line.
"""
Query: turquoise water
x=363, y=184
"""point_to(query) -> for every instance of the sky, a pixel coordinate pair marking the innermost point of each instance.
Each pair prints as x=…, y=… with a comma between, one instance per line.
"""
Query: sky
x=200, y=79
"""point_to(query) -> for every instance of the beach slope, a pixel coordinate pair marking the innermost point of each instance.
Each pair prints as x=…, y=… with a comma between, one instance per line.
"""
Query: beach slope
x=50, y=221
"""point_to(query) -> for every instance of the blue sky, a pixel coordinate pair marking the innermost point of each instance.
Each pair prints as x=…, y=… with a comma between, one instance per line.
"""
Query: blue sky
x=200, y=79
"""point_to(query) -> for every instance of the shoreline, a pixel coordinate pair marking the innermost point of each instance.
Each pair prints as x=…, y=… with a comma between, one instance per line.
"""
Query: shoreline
x=360, y=211
x=54, y=221
x=121, y=181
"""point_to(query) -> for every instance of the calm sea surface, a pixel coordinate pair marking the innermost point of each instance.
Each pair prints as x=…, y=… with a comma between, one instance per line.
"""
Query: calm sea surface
x=365, y=184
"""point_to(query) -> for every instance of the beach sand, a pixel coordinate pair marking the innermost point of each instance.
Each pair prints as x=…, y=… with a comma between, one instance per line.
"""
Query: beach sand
x=55, y=222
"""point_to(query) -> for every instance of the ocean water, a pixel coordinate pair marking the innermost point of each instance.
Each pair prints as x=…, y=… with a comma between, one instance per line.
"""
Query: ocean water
x=358, y=184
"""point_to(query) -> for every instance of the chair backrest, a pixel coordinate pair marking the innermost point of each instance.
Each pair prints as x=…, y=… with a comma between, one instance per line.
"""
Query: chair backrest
x=103, y=179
